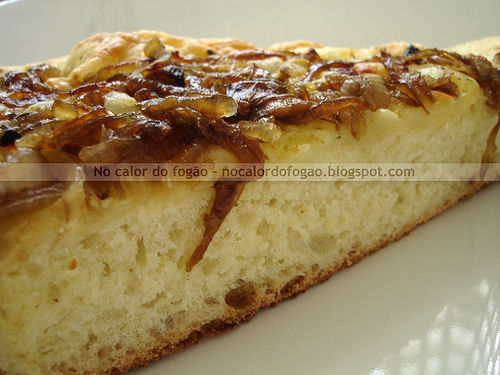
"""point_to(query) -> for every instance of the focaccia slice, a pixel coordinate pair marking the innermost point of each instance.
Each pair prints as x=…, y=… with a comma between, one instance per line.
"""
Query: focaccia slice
x=101, y=276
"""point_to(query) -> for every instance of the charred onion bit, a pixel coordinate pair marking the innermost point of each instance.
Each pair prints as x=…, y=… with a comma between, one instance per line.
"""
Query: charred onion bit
x=8, y=137
x=176, y=107
x=409, y=50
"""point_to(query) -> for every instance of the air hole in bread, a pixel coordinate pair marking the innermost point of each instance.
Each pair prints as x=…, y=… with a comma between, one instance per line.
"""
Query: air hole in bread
x=242, y=296
x=140, y=257
x=105, y=352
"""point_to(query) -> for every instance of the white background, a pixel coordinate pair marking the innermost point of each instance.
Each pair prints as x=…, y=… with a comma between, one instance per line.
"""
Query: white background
x=428, y=304
x=41, y=29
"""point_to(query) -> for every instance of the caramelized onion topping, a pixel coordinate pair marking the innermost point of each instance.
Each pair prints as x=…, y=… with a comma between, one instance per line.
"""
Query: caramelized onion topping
x=177, y=106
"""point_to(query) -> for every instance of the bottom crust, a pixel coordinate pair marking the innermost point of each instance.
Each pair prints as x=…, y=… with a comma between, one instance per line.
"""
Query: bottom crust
x=247, y=303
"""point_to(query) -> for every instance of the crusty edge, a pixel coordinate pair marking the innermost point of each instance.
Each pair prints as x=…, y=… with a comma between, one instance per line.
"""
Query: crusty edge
x=296, y=286
x=110, y=46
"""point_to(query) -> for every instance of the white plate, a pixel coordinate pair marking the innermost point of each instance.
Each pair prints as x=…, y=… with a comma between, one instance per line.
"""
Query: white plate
x=428, y=304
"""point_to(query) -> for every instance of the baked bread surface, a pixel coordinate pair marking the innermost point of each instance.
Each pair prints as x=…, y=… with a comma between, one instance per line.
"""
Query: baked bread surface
x=107, y=275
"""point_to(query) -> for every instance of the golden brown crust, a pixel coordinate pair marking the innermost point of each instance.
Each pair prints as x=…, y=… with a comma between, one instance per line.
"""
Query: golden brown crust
x=488, y=47
x=293, y=45
x=98, y=51
x=101, y=50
